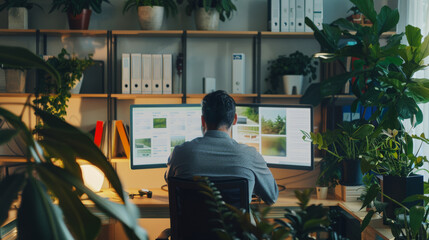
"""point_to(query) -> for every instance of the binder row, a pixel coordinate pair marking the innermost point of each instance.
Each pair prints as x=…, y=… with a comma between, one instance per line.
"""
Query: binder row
x=289, y=15
x=147, y=73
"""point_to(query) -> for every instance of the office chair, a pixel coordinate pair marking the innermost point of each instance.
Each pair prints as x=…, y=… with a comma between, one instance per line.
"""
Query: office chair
x=189, y=212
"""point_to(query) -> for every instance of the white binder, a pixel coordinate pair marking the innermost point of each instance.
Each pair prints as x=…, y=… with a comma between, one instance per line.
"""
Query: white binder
x=238, y=73
x=318, y=13
x=167, y=62
x=126, y=73
x=274, y=15
x=284, y=16
x=156, y=73
x=300, y=15
x=146, y=74
x=309, y=9
x=136, y=73
x=292, y=15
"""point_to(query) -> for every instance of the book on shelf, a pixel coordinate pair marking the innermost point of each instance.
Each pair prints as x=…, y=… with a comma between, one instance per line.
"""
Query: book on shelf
x=123, y=139
x=348, y=193
x=98, y=134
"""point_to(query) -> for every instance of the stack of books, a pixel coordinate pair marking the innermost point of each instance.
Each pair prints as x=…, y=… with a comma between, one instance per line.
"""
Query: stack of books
x=348, y=193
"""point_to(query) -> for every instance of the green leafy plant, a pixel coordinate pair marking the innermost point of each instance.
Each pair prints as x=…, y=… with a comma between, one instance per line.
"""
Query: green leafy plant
x=393, y=154
x=348, y=142
x=296, y=63
x=75, y=7
x=329, y=172
x=54, y=97
x=383, y=73
x=38, y=216
x=224, y=7
x=8, y=4
x=169, y=5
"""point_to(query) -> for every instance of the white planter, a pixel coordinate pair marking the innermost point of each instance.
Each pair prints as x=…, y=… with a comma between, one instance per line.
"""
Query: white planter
x=208, y=21
x=15, y=80
x=322, y=192
x=77, y=87
x=293, y=84
x=18, y=18
x=151, y=18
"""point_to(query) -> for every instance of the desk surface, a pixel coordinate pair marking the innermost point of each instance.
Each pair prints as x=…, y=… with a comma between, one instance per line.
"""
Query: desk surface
x=157, y=207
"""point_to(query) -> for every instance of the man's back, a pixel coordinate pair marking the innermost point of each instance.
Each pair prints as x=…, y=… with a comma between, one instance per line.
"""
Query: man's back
x=217, y=155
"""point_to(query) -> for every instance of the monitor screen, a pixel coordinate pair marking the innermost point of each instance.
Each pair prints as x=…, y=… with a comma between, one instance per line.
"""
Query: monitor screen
x=274, y=130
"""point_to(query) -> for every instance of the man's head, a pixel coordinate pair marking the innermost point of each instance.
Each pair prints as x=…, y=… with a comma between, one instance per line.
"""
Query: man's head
x=218, y=110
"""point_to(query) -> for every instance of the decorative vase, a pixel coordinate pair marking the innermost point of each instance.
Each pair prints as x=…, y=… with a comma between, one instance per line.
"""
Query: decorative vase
x=151, y=18
x=351, y=174
x=80, y=21
x=208, y=21
x=322, y=192
x=18, y=18
x=293, y=84
x=77, y=87
x=400, y=188
x=15, y=80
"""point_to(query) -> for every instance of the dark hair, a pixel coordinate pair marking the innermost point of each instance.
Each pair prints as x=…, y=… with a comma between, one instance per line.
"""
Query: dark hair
x=218, y=109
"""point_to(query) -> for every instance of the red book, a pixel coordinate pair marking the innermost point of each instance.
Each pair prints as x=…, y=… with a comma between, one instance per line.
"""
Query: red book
x=98, y=133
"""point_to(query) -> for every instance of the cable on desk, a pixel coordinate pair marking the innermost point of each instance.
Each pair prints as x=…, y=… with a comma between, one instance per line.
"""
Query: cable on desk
x=281, y=187
x=164, y=187
x=297, y=175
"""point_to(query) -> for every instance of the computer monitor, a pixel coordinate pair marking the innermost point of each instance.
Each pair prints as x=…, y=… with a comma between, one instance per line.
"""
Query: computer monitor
x=274, y=130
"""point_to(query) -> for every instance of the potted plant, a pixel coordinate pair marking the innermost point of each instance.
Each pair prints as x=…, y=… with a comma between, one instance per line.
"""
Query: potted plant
x=291, y=69
x=54, y=98
x=346, y=144
x=40, y=180
x=209, y=12
x=15, y=79
x=393, y=159
x=18, y=12
x=78, y=11
x=151, y=13
x=383, y=75
x=329, y=176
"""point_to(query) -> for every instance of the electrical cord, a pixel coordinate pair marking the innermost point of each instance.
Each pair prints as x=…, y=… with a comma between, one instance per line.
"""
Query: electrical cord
x=164, y=187
x=281, y=187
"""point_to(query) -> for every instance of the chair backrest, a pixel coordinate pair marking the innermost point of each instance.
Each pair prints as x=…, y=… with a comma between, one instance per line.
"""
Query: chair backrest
x=189, y=212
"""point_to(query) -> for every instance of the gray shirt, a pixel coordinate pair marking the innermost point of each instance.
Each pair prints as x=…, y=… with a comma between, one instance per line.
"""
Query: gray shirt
x=218, y=155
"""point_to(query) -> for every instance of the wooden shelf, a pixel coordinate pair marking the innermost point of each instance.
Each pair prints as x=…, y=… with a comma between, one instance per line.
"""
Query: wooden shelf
x=12, y=159
x=66, y=32
x=222, y=34
x=280, y=96
x=20, y=32
x=136, y=96
x=120, y=160
x=90, y=95
x=234, y=95
x=168, y=33
x=15, y=95
x=287, y=34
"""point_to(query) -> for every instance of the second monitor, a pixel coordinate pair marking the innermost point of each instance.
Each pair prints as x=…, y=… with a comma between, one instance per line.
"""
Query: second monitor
x=274, y=130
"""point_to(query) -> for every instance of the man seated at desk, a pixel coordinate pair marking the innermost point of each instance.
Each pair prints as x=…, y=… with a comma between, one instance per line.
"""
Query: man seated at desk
x=216, y=154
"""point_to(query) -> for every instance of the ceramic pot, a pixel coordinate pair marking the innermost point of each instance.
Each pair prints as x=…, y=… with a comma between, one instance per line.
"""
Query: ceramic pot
x=400, y=188
x=151, y=18
x=351, y=174
x=77, y=87
x=18, y=18
x=293, y=84
x=207, y=21
x=80, y=21
x=15, y=80
x=322, y=192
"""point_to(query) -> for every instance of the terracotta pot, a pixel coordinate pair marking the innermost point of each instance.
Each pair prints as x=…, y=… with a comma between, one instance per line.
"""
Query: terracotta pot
x=80, y=21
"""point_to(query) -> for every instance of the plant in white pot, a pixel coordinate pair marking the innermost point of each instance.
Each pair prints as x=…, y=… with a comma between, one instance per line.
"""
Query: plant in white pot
x=291, y=69
x=209, y=12
x=329, y=176
x=151, y=12
x=18, y=12
x=54, y=98
x=78, y=11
